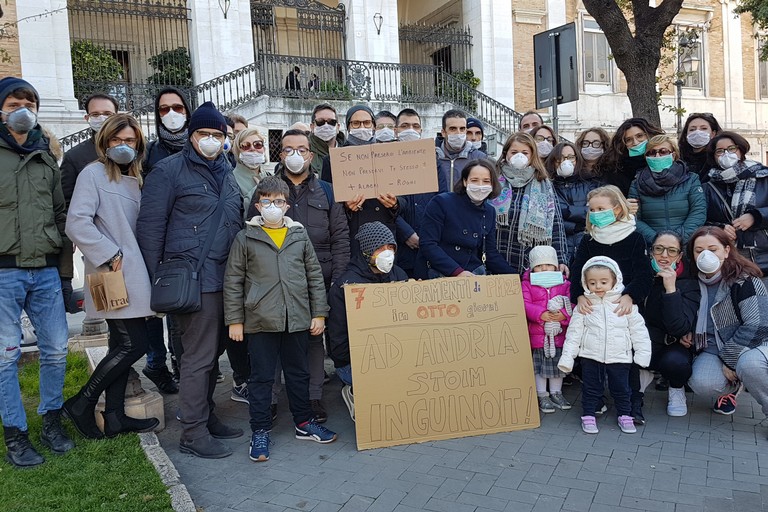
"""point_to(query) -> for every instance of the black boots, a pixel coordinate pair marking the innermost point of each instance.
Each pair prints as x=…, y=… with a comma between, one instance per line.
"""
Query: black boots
x=53, y=435
x=116, y=422
x=82, y=414
x=163, y=379
x=21, y=453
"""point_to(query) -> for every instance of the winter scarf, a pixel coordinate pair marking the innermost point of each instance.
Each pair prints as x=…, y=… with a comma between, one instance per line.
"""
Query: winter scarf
x=537, y=211
x=175, y=140
x=615, y=232
x=552, y=329
x=704, y=308
x=744, y=174
x=657, y=184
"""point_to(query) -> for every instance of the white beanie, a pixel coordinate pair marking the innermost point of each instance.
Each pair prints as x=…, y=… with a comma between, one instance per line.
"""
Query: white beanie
x=542, y=255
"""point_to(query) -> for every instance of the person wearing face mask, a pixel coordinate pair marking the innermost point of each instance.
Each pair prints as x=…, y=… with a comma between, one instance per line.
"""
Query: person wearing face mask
x=592, y=144
x=475, y=134
x=670, y=315
x=178, y=208
x=102, y=222
x=171, y=120
x=385, y=126
x=670, y=197
x=625, y=154
x=737, y=196
x=527, y=209
x=250, y=151
x=698, y=130
x=545, y=140
x=34, y=215
x=274, y=300
x=529, y=121
x=458, y=233
x=98, y=108
x=373, y=262
x=732, y=323
x=325, y=134
x=572, y=182
x=455, y=151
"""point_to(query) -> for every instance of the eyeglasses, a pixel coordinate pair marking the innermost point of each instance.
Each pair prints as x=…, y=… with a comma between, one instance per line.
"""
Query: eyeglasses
x=177, y=107
x=658, y=152
x=699, y=114
x=277, y=202
x=730, y=149
x=357, y=124
x=100, y=114
x=290, y=151
x=382, y=126
x=323, y=122
x=116, y=141
x=570, y=158
x=216, y=135
x=246, y=146
x=407, y=126
x=597, y=144
x=658, y=250
x=541, y=138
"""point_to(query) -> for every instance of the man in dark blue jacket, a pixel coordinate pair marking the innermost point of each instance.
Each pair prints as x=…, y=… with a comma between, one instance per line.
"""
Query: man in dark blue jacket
x=178, y=203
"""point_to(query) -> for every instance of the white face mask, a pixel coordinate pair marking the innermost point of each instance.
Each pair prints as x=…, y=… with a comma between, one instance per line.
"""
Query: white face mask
x=590, y=153
x=272, y=214
x=173, y=121
x=408, y=135
x=362, y=133
x=565, y=169
x=545, y=148
x=252, y=159
x=385, y=260
x=385, y=135
x=478, y=193
x=96, y=122
x=476, y=144
x=708, y=262
x=698, y=139
x=457, y=140
x=518, y=161
x=325, y=132
x=727, y=160
x=295, y=163
x=209, y=146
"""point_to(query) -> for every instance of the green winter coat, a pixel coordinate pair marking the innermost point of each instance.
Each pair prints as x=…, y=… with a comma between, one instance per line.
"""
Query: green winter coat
x=266, y=288
x=32, y=209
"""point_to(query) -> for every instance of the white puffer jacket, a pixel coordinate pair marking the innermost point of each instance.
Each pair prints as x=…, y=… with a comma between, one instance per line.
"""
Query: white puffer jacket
x=603, y=336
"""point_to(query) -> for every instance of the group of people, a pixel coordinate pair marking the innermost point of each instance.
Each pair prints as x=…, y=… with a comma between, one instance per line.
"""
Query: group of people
x=663, y=240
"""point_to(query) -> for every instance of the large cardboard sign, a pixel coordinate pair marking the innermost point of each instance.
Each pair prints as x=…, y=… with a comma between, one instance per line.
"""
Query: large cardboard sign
x=397, y=168
x=439, y=359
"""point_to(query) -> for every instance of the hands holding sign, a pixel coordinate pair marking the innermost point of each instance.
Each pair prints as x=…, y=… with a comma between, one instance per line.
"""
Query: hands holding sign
x=356, y=203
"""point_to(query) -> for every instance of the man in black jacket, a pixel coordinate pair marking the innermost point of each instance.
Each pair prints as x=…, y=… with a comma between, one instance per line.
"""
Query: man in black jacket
x=178, y=205
x=312, y=205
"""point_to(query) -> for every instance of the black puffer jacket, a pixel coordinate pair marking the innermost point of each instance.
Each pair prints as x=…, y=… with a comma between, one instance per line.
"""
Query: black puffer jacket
x=158, y=148
x=672, y=314
x=625, y=172
x=572, y=196
x=75, y=161
x=358, y=272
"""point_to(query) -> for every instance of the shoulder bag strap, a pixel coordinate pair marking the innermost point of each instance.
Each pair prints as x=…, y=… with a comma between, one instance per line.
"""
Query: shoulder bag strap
x=212, y=233
x=720, y=195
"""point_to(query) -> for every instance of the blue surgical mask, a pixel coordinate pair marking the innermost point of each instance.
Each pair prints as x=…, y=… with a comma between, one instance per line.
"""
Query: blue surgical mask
x=639, y=149
x=122, y=154
x=21, y=120
x=602, y=219
x=659, y=163
x=547, y=278
x=657, y=268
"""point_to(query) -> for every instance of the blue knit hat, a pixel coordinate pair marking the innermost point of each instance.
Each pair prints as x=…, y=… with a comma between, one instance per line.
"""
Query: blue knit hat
x=207, y=116
x=475, y=123
x=11, y=83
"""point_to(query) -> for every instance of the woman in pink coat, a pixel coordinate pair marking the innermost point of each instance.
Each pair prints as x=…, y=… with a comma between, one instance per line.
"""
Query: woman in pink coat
x=548, y=309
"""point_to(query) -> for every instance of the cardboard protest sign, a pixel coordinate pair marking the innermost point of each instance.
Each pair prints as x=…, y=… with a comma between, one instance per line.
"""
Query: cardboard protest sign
x=439, y=359
x=397, y=168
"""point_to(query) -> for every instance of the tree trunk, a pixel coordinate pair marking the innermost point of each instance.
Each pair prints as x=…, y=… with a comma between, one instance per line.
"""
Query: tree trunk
x=641, y=88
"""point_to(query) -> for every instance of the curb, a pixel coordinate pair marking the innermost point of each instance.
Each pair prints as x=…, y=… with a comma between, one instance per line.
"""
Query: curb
x=181, y=501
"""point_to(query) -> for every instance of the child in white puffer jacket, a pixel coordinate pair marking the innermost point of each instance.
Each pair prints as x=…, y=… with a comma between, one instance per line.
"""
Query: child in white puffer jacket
x=605, y=342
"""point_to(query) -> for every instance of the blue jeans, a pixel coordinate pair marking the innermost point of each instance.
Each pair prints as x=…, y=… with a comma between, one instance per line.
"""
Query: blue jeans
x=345, y=374
x=156, y=350
x=38, y=292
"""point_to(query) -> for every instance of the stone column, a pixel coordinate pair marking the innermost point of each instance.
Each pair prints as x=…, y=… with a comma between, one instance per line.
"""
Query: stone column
x=490, y=22
x=363, y=42
x=46, y=62
x=734, y=83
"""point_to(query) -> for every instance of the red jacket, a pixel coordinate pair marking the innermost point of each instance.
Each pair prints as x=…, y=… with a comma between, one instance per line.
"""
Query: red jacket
x=536, y=298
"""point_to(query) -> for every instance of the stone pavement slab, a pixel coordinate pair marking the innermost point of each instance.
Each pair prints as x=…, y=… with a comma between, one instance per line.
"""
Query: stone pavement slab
x=699, y=462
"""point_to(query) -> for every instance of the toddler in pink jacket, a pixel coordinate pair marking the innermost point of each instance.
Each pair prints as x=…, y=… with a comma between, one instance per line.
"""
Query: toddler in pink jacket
x=546, y=294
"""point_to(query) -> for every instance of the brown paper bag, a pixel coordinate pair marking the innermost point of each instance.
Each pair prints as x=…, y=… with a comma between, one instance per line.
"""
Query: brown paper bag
x=108, y=290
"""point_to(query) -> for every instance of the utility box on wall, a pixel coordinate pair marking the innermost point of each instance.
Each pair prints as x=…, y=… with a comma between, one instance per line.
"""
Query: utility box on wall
x=556, y=66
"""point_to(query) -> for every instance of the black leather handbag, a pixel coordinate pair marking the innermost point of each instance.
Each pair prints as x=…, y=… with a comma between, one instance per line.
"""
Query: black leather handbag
x=176, y=285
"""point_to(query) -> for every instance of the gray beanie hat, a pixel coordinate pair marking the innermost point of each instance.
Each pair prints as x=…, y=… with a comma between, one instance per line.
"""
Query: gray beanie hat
x=542, y=255
x=373, y=235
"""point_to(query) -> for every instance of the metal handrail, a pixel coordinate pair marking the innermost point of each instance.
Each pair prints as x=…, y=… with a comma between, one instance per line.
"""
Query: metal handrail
x=143, y=114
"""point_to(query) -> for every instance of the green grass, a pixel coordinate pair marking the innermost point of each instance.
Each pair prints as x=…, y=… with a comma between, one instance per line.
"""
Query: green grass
x=106, y=475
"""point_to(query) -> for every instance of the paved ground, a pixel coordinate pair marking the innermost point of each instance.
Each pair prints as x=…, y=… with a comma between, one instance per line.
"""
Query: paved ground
x=701, y=462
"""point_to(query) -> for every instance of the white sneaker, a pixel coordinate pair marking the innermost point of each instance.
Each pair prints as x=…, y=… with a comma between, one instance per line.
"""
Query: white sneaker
x=676, y=405
x=349, y=399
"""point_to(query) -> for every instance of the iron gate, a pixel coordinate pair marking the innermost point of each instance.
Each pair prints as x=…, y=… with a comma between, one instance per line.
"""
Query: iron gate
x=129, y=48
x=447, y=46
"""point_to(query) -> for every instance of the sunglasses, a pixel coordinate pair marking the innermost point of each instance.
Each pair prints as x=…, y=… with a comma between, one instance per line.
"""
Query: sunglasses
x=246, y=146
x=323, y=122
x=658, y=152
x=178, y=108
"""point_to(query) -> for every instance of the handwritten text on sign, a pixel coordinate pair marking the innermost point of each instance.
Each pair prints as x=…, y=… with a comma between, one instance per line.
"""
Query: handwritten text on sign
x=397, y=168
x=439, y=359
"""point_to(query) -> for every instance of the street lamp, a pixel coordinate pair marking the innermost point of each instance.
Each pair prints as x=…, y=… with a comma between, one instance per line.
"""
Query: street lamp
x=687, y=64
